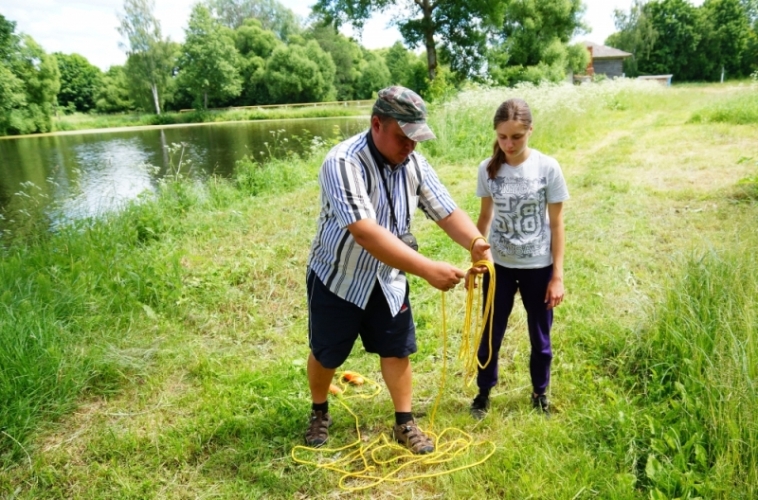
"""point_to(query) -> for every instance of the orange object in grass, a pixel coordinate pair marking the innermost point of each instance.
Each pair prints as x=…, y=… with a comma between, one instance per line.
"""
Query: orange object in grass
x=335, y=389
x=353, y=378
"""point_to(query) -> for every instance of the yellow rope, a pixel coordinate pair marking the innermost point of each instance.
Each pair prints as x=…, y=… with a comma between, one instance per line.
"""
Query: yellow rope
x=364, y=466
x=471, y=338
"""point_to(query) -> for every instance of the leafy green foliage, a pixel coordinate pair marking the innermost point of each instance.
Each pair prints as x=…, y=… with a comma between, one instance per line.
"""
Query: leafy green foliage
x=150, y=57
x=255, y=45
x=726, y=35
x=407, y=69
x=209, y=63
x=461, y=27
x=346, y=55
x=300, y=73
x=29, y=82
x=374, y=76
x=80, y=82
x=692, y=43
x=635, y=35
x=272, y=15
x=533, y=44
x=113, y=95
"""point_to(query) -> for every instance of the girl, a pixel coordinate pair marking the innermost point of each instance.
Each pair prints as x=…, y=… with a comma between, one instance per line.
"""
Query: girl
x=522, y=192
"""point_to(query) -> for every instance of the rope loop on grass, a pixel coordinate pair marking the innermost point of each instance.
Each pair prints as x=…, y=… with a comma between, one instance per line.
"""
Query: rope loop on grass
x=363, y=466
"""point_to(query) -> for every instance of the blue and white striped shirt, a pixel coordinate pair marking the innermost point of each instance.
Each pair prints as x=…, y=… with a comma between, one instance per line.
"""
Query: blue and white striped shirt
x=352, y=190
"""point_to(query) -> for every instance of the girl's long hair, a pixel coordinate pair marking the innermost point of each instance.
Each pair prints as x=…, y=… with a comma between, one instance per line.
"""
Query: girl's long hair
x=512, y=109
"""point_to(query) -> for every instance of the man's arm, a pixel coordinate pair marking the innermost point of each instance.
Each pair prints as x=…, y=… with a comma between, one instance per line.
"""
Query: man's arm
x=387, y=248
x=461, y=229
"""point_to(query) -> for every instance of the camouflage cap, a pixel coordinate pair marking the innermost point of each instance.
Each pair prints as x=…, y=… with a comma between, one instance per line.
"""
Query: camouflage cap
x=407, y=107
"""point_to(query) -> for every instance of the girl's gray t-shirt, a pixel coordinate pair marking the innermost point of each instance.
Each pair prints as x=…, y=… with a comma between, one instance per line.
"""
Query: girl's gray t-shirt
x=520, y=231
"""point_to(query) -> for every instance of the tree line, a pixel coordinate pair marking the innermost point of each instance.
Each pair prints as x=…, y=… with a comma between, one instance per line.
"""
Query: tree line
x=720, y=37
x=257, y=52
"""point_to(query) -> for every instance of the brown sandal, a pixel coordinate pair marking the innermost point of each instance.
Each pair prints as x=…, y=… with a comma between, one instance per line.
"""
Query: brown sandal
x=318, y=429
x=414, y=438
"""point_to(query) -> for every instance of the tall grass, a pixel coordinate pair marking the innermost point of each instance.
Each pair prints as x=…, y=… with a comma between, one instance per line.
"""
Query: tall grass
x=63, y=299
x=738, y=109
x=64, y=293
x=697, y=367
x=563, y=115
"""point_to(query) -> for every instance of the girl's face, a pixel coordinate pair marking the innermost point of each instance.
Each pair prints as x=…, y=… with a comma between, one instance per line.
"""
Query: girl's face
x=513, y=139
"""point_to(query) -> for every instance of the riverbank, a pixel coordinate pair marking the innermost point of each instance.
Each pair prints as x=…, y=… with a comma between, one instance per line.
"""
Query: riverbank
x=81, y=121
x=161, y=352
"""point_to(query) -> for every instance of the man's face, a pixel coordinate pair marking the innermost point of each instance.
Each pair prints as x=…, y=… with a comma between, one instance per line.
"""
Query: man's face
x=390, y=140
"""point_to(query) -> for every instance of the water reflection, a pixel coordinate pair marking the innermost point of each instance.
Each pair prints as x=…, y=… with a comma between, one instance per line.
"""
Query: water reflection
x=119, y=171
x=73, y=176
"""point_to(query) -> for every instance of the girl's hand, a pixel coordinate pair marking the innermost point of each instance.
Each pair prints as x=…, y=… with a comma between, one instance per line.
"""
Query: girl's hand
x=555, y=292
x=480, y=250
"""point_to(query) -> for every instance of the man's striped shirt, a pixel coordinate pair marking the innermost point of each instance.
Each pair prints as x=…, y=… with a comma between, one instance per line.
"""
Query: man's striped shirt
x=351, y=190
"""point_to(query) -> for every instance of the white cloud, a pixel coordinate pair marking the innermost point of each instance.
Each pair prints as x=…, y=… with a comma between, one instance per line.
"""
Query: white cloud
x=599, y=17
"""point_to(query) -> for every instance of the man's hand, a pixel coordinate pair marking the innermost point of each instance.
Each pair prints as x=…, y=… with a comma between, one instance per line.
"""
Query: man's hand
x=443, y=276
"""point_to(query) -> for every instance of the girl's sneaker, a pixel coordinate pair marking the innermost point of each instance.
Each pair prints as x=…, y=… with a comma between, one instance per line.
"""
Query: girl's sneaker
x=480, y=406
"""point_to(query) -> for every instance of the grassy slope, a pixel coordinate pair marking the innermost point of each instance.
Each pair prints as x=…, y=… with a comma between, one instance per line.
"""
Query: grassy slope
x=208, y=391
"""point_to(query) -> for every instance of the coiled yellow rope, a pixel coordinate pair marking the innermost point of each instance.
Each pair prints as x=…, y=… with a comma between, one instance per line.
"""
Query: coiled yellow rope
x=472, y=337
x=364, y=466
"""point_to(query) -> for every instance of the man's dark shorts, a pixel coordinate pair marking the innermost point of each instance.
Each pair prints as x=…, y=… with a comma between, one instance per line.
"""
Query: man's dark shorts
x=334, y=325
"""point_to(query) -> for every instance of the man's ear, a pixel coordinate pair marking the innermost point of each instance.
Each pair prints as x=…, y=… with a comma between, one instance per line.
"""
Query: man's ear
x=376, y=123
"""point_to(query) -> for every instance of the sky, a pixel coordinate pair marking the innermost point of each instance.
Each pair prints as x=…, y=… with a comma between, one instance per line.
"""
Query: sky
x=88, y=27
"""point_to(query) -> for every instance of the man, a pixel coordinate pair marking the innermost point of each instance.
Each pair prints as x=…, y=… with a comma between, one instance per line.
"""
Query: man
x=370, y=186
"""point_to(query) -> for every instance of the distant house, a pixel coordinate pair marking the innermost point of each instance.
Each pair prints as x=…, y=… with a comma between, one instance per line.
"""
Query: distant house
x=605, y=60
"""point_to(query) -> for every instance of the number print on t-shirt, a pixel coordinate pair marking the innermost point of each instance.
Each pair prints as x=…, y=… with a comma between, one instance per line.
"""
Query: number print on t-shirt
x=520, y=206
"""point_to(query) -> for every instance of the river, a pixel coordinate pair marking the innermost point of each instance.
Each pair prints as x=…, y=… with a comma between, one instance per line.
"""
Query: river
x=67, y=176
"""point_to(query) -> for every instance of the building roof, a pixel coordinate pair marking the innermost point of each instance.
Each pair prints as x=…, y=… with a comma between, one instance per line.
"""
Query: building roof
x=603, y=52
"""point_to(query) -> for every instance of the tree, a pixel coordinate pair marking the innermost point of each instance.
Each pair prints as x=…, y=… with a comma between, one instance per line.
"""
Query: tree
x=531, y=27
x=29, y=82
x=255, y=46
x=374, y=76
x=346, y=55
x=272, y=15
x=675, y=50
x=399, y=61
x=11, y=88
x=150, y=56
x=80, y=82
x=751, y=10
x=113, y=94
x=692, y=43
x=300, y=73
x=726, y=34
x=209, y=63
x=533, y=43
x=635, y=35
x=461, y=27
x=406, y=68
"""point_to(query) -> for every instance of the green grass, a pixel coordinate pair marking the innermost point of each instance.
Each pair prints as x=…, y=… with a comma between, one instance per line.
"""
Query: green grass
x=739, y=108
x=160, y=353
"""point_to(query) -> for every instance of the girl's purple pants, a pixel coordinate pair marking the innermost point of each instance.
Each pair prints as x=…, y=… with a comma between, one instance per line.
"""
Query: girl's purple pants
x=532, y=285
